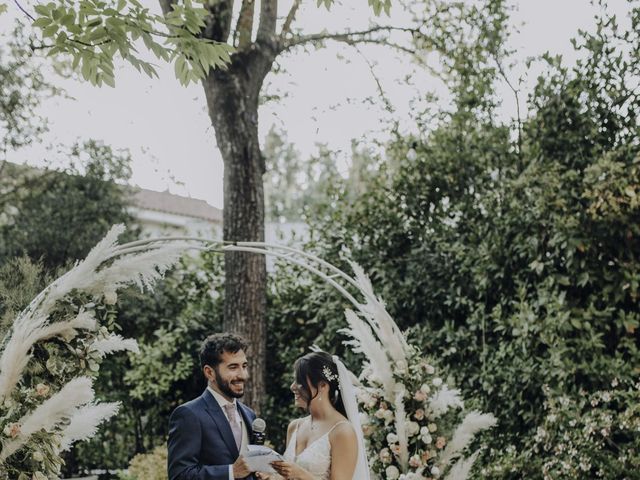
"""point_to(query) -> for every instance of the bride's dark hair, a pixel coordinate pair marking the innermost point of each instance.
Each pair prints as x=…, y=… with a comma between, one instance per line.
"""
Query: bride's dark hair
x=316, y=367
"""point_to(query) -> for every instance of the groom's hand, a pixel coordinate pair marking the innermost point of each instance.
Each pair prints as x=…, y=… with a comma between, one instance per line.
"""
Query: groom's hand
x=240, y=468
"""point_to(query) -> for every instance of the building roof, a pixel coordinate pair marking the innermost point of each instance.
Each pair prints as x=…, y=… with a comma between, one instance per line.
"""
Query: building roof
x=169, y=203
x=144, y=199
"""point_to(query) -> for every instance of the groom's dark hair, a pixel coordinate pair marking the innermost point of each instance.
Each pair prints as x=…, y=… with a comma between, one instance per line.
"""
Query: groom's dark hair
x=215, y=345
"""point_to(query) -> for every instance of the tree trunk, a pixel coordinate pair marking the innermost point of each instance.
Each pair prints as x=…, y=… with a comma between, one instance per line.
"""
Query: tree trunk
x=232, y=99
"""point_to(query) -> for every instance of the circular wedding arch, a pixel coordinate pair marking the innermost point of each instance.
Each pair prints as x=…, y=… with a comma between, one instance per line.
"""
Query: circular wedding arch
x=309, y=262
x=111, y=265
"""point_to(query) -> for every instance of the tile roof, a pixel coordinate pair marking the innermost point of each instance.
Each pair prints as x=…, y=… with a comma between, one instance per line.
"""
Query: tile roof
x=169, y=203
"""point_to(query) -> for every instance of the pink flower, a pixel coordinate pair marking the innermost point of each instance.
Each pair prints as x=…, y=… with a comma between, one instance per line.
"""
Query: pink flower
x=419, y=415
x=415, y=461
x=395, y=448
x=385, y=455
x=12, y=430
x=441, y=442
x=420, y=396
x=42, y=390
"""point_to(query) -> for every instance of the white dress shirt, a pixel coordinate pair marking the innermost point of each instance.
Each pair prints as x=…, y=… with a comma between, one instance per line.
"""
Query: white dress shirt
x=245, y=434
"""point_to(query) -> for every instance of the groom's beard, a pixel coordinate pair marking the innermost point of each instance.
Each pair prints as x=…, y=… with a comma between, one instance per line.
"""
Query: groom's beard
x=225, y=386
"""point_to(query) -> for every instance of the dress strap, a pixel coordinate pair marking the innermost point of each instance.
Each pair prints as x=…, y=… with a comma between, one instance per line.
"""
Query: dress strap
x=339, y=423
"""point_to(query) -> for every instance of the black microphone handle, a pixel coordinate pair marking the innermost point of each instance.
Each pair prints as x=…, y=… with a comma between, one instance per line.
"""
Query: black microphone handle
x=258, y=438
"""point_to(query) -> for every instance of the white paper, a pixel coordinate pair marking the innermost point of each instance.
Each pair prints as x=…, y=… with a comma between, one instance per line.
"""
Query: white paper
x=259, y=458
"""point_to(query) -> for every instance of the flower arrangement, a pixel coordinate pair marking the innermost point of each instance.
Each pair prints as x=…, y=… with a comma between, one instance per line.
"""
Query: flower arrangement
x=53, y=351
x=411, y=418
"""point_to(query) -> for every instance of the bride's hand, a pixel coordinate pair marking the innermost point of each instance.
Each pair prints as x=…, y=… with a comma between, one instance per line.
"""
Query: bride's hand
x=291, y=471
x=264, y=476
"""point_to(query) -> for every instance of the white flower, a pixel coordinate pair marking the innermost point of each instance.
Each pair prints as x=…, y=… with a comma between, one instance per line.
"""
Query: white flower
x=425, y=388
x=385, y=455
x=437, y=381
x=430, y=370
x=392, y=438
x=388, y=416
x=413, y=428
x=411, y=154
x=426, y=439
x=364, y=418
x=37, y=456
x=392, y=472
x=401, y=366
x=110, y=297
x=435, y=471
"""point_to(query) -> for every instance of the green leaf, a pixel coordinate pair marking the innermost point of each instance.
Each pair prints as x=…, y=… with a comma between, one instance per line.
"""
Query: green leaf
x=69, y=19
x=43, y=10
x=109, y=80
x=42, y=22
x=61, y=39
x=58, y=13
x=50, y=31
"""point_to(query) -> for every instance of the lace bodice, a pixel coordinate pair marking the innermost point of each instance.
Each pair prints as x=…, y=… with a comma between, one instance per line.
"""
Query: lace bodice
x=316, y=458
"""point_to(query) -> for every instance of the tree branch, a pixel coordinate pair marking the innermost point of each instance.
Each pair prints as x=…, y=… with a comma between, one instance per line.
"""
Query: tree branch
x=167, y=6
x=516, y=94
x=286, y=27
x=244, y=27
x=218, y=26
x=387, y=103
x=268, y=18
x=22, y=9
x=347, y=37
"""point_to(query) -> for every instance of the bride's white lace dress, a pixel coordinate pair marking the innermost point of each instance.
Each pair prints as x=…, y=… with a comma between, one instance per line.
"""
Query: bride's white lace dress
x=316, y=457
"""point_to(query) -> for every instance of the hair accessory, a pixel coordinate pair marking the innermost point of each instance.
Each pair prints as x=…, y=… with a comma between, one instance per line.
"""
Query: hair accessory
x=326, y=371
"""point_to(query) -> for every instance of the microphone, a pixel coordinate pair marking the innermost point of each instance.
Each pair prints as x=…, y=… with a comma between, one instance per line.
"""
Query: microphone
x=258, y=426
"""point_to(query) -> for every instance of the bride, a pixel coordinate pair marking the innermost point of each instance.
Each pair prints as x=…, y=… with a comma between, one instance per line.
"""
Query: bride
x=328, y=444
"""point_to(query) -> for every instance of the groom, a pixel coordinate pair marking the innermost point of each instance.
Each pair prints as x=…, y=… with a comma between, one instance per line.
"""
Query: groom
x=208, y=434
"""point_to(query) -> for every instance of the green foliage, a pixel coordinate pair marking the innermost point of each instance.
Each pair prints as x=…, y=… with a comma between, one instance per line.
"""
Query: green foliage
x=58, y=216
x=377, y=5
x=22, y=89
x=95, y=33
x=20, y=281
x=170, y=325
x=512, y=259
x=53, y=363
x=592, y=435
x=293, y=185
x=149, y=466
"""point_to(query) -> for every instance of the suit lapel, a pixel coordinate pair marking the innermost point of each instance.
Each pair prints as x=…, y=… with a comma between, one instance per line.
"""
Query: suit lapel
x=215, y=411
x=248, y=419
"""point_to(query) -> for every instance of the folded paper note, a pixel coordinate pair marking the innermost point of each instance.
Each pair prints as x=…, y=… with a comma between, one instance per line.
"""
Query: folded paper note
x=259, y=458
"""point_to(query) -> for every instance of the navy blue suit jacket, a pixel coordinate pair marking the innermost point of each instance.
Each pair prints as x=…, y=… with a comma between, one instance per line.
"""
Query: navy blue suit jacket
x=201, y=444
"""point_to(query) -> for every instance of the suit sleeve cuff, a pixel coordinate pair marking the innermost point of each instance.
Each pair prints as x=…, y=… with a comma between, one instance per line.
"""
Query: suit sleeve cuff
x=231, y=472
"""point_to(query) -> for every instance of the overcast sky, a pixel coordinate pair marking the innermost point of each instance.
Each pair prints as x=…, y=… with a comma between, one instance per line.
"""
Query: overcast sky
x=167, y=130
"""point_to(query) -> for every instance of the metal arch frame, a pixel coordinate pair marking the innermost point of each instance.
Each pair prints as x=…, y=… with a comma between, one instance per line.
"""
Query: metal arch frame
x=307, y=261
